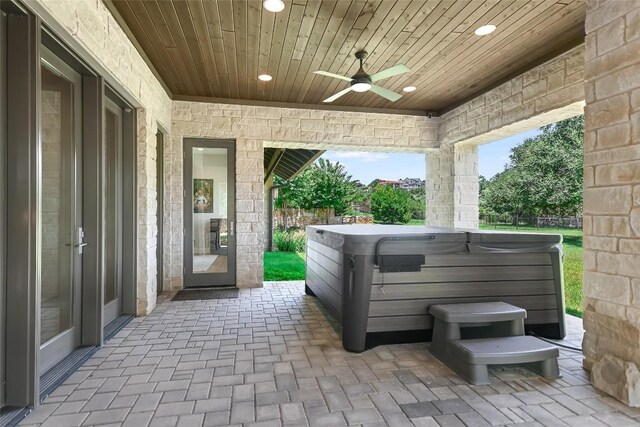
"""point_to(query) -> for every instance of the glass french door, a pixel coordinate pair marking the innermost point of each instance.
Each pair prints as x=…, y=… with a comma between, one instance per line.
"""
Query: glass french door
x=113, y=208
x=209, y=213
x=61, y=235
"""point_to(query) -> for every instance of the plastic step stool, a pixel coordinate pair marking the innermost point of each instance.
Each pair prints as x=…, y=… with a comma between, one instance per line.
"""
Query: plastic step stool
x=470, y=358
x=501, y=319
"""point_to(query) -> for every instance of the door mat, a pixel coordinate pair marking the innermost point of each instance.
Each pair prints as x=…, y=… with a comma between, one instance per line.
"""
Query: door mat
x=204, y=294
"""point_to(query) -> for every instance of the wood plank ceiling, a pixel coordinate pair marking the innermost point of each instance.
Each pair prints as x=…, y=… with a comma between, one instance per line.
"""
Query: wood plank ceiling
x=209, y=48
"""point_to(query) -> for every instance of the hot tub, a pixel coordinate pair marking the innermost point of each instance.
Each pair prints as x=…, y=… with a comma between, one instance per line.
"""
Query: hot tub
x=378, y=281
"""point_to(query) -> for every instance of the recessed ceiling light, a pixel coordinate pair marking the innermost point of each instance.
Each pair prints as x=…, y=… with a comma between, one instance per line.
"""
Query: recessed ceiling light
x=273, y=5
x=485, y=29
x=409, y=89
x=265, y=77
x=200, y=149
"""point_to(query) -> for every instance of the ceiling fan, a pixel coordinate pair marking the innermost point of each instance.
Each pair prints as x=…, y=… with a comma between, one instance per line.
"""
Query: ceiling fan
x=362, y=82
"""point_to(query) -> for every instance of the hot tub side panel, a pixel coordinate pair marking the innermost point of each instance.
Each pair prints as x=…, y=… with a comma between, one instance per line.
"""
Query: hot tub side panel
x=533, y=281
x=324, y=276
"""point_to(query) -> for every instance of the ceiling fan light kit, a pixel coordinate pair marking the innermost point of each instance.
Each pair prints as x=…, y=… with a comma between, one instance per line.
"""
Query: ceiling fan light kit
x=363, y=82
x=360, y=87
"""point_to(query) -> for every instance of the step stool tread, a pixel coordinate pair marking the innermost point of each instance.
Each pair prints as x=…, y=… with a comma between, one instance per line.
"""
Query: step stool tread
x=496, y=311
x=503, y=350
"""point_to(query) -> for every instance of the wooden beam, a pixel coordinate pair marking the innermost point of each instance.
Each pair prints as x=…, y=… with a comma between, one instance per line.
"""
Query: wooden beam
x=275, y=159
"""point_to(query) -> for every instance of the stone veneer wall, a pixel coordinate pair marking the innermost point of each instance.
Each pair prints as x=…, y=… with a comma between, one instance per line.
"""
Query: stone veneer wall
x=545, y=94
x=452, y=186
x=93, y=26
x=254, y=127
x=612, y=198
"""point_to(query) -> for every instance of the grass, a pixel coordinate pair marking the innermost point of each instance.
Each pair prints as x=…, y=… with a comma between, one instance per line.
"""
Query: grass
x=284, y=266
x=572, y=263
x=291, y=265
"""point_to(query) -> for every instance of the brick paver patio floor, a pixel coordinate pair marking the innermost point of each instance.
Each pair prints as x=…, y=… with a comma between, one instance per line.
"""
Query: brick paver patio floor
x=272, y=357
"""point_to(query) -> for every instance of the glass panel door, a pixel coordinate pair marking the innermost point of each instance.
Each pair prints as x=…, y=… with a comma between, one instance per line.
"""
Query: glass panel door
x=113, y=206
x=209, y=213
x=61, y=235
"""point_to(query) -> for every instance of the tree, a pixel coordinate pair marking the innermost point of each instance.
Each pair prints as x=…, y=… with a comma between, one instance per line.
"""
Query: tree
x=391, y=205
x=543, y=176
x=418, y=202
x=324, y=185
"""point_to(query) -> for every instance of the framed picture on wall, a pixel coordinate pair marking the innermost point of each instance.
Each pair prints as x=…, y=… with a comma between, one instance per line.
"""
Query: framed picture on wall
x=202, y=195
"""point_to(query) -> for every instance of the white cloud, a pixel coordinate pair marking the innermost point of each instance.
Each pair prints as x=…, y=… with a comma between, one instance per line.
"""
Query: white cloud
x=364, y=156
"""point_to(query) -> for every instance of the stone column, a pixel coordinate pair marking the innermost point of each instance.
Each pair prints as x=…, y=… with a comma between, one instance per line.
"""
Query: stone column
x=452, y=186
x=147, y=229
x=612, y=198
x=249, y=213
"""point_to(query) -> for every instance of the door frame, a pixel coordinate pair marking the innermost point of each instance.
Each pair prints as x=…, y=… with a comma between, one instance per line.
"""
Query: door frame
x=29, y=26
x=3, y=195
x=160, y=137
x=116, y=307
x=191, y=280
x=60, y=346
x=129, y=206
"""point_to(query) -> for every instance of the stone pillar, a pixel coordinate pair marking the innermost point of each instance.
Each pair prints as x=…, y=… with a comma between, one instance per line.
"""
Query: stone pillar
x=249, y=213
x=452, y=186
x=612, y=198
x=147, y=229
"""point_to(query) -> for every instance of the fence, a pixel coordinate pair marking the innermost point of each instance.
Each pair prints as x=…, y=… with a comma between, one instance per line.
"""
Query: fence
x=355, y=219
x=507, y=220
x=299, y=218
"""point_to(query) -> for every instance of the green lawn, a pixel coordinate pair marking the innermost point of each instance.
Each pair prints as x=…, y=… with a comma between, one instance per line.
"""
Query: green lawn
x=572, y=264
x=291, y=266
x=284, y=266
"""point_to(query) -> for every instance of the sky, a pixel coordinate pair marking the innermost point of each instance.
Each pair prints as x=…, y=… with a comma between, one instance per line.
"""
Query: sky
x=367, y=166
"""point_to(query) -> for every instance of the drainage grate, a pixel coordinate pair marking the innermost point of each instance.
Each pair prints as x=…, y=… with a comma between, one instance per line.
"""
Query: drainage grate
x=116, y=326
x=10, y=416
x=55, y=376
x=204, y=294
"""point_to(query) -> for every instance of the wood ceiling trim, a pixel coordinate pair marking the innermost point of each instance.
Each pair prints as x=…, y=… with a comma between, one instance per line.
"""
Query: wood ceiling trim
x=342, y=42
x=320, y=26
x=184, y=52
x=442, y=28
x=365, y=41
x=329, y=107
x=479, y=49
x=450, y=31
x=471, y=52
x=215, y=49
x=483, y=46
x=199, y=20
x=335, y=20
x=371, y=39
x=571, y=45
x=123, y=25
x=174, y=60
x=286, y=55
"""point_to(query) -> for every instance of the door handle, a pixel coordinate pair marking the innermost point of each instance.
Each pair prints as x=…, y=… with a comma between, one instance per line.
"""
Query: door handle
x=230, y=228
x=81, y=243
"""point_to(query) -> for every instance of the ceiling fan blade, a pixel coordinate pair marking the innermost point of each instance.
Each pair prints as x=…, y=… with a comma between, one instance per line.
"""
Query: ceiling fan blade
x=335, y=76
x=338, y=95
x=389, y=72
x=385, y=93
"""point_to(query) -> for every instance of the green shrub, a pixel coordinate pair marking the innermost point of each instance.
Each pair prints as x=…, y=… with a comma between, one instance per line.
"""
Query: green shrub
x=289, y=241
x=391, y=205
